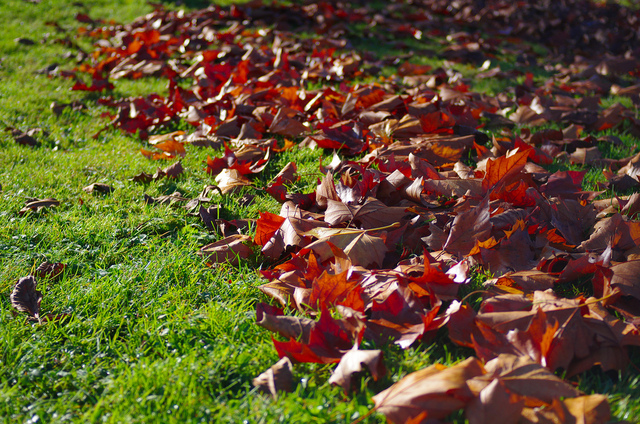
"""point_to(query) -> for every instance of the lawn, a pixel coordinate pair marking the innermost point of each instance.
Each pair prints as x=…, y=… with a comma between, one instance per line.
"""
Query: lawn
x=141, y=325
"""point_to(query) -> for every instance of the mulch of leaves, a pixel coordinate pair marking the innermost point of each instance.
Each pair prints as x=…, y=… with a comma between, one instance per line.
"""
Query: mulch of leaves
x=385, y=241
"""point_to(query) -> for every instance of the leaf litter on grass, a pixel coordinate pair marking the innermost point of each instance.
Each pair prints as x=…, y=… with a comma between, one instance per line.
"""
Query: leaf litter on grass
x=434, y=178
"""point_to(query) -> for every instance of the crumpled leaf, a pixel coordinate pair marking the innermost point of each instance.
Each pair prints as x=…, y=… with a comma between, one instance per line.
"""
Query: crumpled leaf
x=354, y=362
x=278, y=378
x=50, y=270
x=36, y=205
x=98, y=188
x=25, y=297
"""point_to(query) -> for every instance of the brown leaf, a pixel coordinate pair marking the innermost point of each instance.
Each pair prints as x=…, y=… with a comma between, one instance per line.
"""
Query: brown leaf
x=352, y=363
x=522, y=376
x=362, y=247
x=372, y=214
x=36, y=205
x=24, y=138
x=98, y=188
x=230, y=249
x=278, y=378
x=169, y=199
x=25, y=297
x=593, y=409
x=230, y=180
x=495, y=404
x=287, y=326
x=50, y=270
x=436, y=391
x=468, y=227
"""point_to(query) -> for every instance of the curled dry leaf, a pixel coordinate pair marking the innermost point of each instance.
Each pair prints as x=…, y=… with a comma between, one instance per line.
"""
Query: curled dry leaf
x=230, y=180
x=593, y=409
x=98, y=188
x=230, y=249
x=25, y=297
x=36, y=205
x=50, y=270
x=354, y=362
x=278, y=378
x=24, y=138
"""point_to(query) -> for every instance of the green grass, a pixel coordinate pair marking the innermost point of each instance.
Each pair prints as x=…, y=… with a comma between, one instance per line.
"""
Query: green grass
x=152, y=333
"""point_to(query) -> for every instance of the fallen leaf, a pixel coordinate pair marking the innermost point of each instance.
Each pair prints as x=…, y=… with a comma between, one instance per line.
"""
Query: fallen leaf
x=354, y=362
x=230, y=250
x=278, y=378
x=435, y=391
x=25, y=297
x=98, y=188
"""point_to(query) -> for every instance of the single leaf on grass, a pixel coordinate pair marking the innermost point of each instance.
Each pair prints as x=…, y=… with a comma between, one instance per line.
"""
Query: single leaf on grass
x=36, y=205
x=25, y=297
x=24, y=138
x=50, y=270
x=278, y=378
x=169, y=199
x=98, y=188
x=230, y=249
x=435, y=391
x=354, y=362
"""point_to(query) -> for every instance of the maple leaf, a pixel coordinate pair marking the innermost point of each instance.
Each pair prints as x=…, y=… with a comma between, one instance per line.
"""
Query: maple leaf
x=495, y=403
x=230, y=249
x=327, y=343
x=273, y=320
x=522, y=376
x=278, y=378
x=352, y=363
x=469, y=227
x=371, y=214
x=361, y=246
x=230, y=180
x=501, y=171
x=333, y=289
x=592, y=409
x=435, y=392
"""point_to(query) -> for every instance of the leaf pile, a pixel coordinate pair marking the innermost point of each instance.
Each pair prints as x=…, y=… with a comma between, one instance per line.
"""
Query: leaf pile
x=440, y=180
